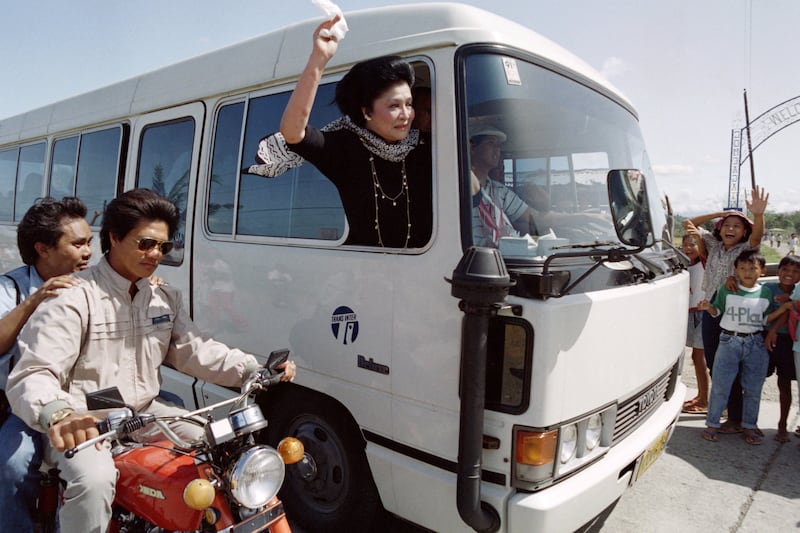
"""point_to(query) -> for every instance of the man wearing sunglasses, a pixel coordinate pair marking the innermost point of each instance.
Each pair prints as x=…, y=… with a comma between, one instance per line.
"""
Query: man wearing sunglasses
x=113, y=329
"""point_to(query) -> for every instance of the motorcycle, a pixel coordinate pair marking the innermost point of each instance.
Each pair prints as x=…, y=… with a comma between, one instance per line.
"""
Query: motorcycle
x=224, y=481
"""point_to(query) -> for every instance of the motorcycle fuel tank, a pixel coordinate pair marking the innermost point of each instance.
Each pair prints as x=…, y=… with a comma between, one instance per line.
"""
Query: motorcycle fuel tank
x=151, y=484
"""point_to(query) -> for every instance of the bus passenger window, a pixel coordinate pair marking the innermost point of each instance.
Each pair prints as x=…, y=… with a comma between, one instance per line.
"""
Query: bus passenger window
x=301, y=203
x=165, y=159
x=8, y=176
x=345, y=170
x=30, y=181
x=63, y=167
x=224, y=169
x=98, y=168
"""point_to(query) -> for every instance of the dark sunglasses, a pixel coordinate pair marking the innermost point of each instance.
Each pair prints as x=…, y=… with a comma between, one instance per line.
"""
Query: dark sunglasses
x=148, y=244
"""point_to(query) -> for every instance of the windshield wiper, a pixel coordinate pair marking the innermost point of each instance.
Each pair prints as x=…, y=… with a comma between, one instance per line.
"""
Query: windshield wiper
x=611, y=255
x=578, y=245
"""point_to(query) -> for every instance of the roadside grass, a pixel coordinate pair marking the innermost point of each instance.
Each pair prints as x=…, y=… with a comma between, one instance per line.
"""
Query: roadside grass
x=771, y=254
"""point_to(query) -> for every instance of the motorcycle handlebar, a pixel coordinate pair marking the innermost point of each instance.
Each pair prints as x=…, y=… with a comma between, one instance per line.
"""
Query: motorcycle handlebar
x=123, y=428
x=259, y=380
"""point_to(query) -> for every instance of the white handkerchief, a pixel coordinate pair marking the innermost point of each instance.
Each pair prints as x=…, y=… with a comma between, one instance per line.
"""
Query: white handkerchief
x=331, y=10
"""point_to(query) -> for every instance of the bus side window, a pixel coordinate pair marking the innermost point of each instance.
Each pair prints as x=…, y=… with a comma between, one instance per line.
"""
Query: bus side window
x=301, y=203
x=165, y=158
x=98, y=170
x=63, y=167
x=30, y=178
x=8, y=176
x=224, y=169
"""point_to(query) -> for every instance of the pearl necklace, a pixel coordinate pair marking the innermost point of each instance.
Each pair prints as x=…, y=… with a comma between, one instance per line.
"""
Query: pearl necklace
x=376, y=187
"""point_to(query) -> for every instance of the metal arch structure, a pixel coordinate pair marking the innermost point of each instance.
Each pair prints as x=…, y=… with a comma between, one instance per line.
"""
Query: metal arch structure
x=761, y=128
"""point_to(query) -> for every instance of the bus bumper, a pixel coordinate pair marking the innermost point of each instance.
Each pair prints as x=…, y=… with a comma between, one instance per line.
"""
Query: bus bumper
x=572, y=503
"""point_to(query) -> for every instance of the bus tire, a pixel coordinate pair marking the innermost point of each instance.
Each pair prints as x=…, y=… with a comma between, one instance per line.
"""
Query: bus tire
x=342, y=495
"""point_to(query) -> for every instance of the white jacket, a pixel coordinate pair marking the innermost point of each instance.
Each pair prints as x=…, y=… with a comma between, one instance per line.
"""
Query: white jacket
x=95, y=336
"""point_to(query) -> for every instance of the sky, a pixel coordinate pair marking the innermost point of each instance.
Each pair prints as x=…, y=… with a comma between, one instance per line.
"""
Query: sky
x=684, y=64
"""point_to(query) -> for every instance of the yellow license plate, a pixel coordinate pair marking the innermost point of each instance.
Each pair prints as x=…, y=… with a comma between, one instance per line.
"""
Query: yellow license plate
x=651, y=454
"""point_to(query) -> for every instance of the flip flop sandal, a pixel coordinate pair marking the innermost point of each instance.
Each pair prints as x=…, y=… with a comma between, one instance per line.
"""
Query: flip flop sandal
x=710, y=434
x=752, y=438
x=696, y=410
x=782, y=437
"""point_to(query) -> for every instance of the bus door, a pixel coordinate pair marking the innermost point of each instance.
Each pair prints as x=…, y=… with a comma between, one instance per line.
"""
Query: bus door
x=165, y=154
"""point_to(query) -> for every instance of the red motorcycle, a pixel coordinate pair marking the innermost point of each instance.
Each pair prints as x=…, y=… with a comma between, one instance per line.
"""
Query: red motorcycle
x=222, y=482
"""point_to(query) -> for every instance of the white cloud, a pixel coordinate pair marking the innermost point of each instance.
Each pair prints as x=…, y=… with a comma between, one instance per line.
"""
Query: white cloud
x=614, y=66
x=674, y=169
x=709, y=159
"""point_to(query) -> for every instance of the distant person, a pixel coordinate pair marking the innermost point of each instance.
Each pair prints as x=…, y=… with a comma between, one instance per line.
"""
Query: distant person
x=741, y=351
x=778, y=240
x=497, y=211
x=694, y=248
x=421, y=100
x=792, y=244
x=733, y=234
x=778, y=340
x=54, y=241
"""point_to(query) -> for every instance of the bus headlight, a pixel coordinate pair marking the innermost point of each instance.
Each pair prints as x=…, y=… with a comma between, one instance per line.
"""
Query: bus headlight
x=256, y=476
x=545, y=455
x=594, y=430
x=569, y=442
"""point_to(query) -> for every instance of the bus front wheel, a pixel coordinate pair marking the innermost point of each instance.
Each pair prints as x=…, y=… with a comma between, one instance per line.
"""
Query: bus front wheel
x=341, y=494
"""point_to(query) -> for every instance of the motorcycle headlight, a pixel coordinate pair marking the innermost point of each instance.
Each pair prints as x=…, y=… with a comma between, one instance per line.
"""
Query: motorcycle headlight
x=256, y=476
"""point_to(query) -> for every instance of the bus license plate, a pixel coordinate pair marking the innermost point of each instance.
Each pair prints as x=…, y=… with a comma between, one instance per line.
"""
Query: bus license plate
x=651, y=454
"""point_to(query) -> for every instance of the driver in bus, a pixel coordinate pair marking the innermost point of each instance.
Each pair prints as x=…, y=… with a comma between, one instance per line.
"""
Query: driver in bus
x=497, y=211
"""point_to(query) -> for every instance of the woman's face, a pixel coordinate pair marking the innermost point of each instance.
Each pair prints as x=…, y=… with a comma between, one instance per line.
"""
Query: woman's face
x=391, y=114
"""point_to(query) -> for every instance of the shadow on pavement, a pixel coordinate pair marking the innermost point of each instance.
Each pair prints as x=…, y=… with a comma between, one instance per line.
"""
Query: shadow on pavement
x=770, y=466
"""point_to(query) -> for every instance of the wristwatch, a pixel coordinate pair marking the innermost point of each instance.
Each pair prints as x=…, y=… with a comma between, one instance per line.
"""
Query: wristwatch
x=60, y=415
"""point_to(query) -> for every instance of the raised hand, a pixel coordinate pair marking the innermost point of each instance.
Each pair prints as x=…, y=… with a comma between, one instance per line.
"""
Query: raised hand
x=758, y=203
x=326, y=46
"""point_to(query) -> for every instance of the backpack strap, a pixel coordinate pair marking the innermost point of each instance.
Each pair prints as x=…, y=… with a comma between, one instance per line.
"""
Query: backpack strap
x=19, y=300
x=16, y=286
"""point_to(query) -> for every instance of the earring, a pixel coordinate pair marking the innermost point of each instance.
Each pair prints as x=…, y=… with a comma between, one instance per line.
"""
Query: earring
x=367, y=117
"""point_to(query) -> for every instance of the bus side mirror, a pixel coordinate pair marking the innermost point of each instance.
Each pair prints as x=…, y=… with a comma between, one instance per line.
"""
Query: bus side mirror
x=630, y=207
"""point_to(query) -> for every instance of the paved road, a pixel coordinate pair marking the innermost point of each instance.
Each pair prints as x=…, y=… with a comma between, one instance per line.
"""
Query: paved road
x=699, y=486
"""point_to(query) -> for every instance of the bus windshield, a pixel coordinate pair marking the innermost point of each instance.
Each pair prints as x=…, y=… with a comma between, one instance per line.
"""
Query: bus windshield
x=540, y=147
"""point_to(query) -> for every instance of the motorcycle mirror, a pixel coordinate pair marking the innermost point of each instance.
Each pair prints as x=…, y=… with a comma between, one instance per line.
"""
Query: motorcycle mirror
x=275, y=359
x=109, y=398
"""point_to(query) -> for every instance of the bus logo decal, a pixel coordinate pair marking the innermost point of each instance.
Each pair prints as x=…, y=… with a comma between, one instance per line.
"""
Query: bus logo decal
x=344, y=324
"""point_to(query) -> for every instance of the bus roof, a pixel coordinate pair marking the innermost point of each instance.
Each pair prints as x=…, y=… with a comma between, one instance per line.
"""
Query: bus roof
x=281, y=54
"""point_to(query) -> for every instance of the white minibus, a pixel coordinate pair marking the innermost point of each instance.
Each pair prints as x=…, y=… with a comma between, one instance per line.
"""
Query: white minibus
x=519, y=388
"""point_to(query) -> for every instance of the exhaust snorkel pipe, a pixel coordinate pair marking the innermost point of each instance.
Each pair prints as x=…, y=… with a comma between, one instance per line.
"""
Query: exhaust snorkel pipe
x=481, y=282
